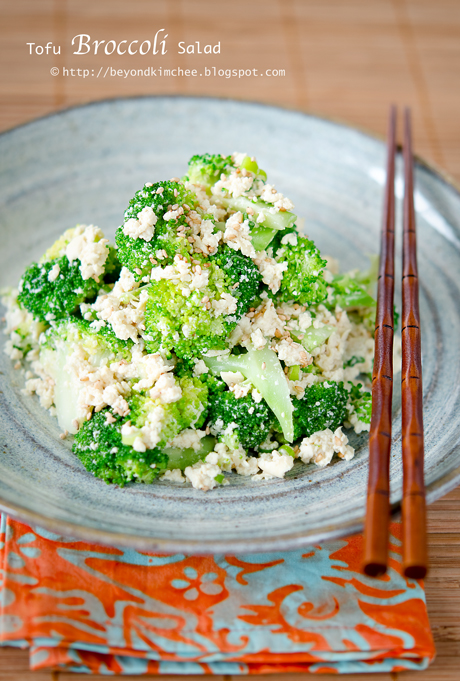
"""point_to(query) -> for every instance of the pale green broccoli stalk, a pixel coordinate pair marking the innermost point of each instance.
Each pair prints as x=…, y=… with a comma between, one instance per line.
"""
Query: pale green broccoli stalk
x=303, y=280
x=137, y=253
x=251, y=420
x=181, y=458
x=264, y=370
x=324, y=405
x=313, y=338
x=99, y=447
x=189, y=411
x=58, y=343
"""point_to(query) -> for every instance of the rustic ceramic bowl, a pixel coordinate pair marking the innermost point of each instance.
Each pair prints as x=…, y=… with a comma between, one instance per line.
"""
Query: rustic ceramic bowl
x=83, y=165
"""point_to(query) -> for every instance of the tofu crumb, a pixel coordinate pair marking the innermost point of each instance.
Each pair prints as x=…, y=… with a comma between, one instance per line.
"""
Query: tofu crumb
x=273, y=465
x=320, y=447
x=174, y=475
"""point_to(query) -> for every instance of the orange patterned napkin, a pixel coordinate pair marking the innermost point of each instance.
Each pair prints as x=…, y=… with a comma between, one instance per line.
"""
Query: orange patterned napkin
x=86, y=608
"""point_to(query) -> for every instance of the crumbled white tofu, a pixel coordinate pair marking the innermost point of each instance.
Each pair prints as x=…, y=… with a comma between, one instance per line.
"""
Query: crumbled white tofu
x=258, y=339
x=226, y=305
x=149, y=435
x=231, y=377
x=270, y=195
x=238, y=157
x=166, y=389
x=188, y=439
x=143, y=227
x=203, y=475
x=233, y=459
x=290, y=239
x=200, y=368
x=90, y=248
x=273, y=465
x=241, y=390
x=173, y=476
x=235, y=184
x=237, y=235
x=256, y=396
x=293, y=354
x=322, y=445
x=271, y=271
x=173, y=214
x=54, y=273
x=357, y=425
x=206, y=240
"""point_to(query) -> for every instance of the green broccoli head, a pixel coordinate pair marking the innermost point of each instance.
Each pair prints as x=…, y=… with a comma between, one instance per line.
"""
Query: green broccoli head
x=187, y=320
x=244, y=276
x=47, y=298
x=100, y=345
x=56, y=286
x=98, y=445
x=149, y=207
x=251, y=420
x=324, y=405
x=165, y=421
x=303, y=279
x=206, y=169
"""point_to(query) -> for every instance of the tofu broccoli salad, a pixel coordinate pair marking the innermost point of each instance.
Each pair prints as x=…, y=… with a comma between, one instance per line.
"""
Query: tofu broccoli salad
x=212, y=337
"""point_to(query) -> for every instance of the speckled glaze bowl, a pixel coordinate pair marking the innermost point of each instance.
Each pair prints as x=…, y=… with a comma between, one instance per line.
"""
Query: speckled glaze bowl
x=83, y=165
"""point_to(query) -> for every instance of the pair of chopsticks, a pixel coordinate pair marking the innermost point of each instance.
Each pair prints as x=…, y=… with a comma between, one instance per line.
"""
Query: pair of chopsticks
x=376, y=533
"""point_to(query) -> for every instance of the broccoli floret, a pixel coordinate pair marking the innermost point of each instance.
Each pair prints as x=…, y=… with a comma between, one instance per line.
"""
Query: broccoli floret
x=54, y=288
x=98, y=445
x=206, y=169
x=168, y=419
x=243, y=274
x=253, y=419
x=303, y=279
x=58, y=298
x=324, y=405
x=186, y=321
x=361, y=403
x=136, y=253
x=264, y=370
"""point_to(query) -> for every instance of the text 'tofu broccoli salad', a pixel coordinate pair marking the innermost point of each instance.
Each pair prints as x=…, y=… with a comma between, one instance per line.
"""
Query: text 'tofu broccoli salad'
x=212, y=337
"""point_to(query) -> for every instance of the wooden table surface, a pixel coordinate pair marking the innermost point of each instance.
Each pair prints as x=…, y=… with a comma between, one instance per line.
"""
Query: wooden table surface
x=343, y=59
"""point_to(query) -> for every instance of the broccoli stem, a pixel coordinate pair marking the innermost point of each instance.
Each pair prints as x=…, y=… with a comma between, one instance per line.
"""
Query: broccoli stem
x=262, y=236
x=313, y=338
x=264, y=370
x=279, y=220
x=181, y=458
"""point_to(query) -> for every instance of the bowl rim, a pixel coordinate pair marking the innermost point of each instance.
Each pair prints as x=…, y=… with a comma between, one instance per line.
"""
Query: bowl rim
x=434, y=491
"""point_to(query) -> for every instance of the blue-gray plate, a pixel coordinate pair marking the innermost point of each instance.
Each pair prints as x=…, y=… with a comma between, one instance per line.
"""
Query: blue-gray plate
x=83, y=165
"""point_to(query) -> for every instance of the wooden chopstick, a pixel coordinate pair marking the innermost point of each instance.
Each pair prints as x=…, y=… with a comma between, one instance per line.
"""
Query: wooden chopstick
x=415, y=559
x=378, y=495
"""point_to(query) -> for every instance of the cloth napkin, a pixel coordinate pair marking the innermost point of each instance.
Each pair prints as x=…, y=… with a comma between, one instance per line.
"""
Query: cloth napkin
x=86, y=608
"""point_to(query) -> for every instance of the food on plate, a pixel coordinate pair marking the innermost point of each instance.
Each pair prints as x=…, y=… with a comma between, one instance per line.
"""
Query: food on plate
x=212, y=337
